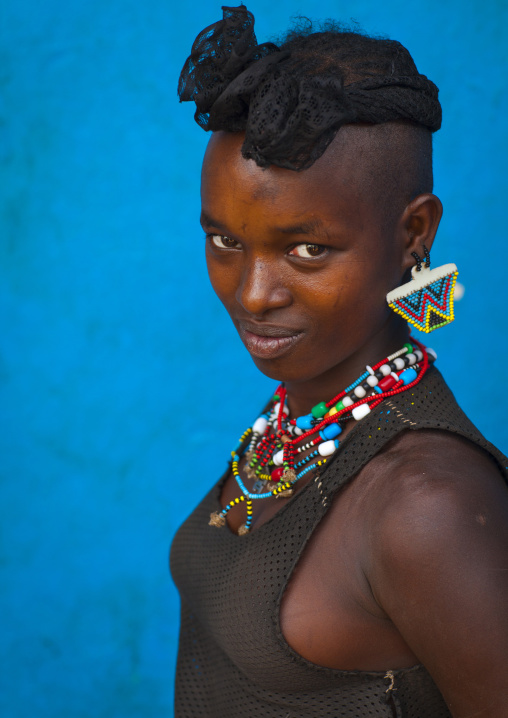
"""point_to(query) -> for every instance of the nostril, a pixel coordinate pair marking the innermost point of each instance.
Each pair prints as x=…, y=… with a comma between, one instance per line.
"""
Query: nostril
x=262, y=289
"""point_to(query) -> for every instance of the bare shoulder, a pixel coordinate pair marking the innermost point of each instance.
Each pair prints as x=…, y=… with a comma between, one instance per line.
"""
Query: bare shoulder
x=432, y=474
x=435, y=494
x=437, y=562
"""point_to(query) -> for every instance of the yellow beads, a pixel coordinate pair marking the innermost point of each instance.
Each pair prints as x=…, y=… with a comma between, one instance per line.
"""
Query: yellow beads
x=425, y=306
x=283, y=491
x=233, y=502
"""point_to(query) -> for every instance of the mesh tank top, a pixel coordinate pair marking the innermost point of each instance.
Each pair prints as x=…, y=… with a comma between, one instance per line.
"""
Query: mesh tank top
x=233, y=661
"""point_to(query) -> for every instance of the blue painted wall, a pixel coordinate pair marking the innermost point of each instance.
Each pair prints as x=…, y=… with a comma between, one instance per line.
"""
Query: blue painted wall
x=110, y=332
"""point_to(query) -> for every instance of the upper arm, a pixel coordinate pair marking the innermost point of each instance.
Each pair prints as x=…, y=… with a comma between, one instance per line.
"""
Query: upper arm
x=440, y=572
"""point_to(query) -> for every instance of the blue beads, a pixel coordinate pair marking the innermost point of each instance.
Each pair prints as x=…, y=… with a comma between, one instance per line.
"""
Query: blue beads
x=305, y=422
x=305, y=471
x=330, y=431
x=306, y=459
x=355, y=383
x=408, y=375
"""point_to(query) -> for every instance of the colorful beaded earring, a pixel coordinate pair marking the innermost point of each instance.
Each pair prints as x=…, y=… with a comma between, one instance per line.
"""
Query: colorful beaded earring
x=426, y=301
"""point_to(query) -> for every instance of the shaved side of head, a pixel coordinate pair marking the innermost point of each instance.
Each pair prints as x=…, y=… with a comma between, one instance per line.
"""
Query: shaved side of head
x=392, y=163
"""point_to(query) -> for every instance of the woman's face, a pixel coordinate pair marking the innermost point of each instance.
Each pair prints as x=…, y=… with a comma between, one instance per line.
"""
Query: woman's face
x=301, y=260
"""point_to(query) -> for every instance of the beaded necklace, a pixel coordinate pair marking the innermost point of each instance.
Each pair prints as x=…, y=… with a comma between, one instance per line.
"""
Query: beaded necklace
x=272, y=444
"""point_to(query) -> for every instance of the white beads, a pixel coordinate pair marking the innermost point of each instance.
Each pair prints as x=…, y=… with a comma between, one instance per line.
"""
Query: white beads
x=327, y=448
x=399, y=363
x=360, y=392
x=276, y=408
x=259, y=426
x=372, y=380
x=278, y=458
x=431, y=353
x=347, y=401
x=418, y=354
x=385, y=369
x=397, y=354
x=359, y=412
x=411, y=359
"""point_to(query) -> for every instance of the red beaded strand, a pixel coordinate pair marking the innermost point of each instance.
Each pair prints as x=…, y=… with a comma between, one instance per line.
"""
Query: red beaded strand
x=277, y=437
x=373, y=401
x=273, y=438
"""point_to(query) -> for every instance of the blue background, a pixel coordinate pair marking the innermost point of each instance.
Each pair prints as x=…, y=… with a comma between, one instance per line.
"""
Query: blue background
x=123, y=385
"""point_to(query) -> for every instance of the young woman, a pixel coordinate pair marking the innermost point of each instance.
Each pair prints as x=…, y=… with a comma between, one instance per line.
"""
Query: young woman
x=353, y=560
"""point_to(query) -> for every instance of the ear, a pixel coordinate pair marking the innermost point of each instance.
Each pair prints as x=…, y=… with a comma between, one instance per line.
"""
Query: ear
x=418, y=226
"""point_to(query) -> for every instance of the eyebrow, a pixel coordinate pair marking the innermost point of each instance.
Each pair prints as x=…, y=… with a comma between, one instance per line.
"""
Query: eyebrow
x=207, y=221
x=309, y=227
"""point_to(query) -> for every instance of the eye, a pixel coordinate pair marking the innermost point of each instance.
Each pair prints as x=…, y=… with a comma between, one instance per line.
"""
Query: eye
x=223, y=242
x=307, y=251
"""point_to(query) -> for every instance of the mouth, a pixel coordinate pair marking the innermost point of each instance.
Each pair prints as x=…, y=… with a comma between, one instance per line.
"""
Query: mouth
x=268, y=342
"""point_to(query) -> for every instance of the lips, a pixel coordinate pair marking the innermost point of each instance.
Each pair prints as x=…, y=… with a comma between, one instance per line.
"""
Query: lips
x=268, y=341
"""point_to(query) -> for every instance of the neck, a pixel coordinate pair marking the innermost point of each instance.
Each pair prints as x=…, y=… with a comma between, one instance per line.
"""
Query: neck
x=302, y=396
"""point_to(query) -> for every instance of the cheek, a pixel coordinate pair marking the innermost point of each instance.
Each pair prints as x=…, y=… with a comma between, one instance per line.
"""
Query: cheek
x=222, y=278
x=350, y=303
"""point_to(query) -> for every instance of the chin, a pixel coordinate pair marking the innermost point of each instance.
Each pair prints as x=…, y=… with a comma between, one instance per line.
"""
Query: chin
x=286, y=370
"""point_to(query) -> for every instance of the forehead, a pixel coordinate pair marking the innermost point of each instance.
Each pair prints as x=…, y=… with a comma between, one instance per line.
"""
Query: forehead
x=336, y=182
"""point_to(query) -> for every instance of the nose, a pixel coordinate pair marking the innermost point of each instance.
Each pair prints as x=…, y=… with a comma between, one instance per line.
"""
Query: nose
x=262, y=287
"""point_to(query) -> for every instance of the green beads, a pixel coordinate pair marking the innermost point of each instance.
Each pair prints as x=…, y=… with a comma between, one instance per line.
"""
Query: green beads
x=319, y=410
x=339, y=405
x=409, y=347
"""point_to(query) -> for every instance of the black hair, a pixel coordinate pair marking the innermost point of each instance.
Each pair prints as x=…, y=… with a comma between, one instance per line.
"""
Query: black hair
x=291, y=97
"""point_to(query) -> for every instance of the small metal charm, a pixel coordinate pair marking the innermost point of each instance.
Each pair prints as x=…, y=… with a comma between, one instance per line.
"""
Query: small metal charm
x=249, y=472
x=217, y=519
x=285, y=494
x=289, y=476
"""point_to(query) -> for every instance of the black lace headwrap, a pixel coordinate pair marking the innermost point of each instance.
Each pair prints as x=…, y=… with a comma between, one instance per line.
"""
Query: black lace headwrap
x=291, y=100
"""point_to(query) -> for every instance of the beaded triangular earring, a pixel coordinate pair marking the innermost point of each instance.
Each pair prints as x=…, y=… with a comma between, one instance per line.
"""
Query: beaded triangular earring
x=427, y=300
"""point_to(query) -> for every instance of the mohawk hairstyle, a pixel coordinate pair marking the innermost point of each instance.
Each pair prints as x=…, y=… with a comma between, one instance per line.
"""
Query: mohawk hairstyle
x=292, y=97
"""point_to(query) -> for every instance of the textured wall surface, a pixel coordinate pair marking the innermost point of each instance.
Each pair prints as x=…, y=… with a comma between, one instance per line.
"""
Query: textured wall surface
x=122, y=384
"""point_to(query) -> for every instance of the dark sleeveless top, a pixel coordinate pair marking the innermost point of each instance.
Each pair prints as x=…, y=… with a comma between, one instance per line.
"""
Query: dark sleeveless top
x=233, y=661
